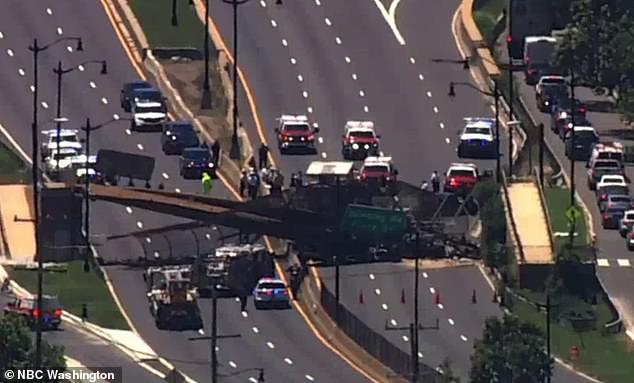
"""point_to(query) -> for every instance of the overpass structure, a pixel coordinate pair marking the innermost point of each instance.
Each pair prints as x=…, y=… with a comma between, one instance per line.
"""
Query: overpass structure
x=266, y=216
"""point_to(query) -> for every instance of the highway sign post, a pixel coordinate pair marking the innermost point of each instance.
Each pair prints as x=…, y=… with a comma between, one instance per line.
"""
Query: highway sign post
x=572, y=214
x=372, y=223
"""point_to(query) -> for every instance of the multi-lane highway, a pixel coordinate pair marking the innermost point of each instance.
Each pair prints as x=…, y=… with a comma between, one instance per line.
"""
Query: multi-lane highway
x=614, y=261
x=280, y=342
x=337, y=61
x=308, y=57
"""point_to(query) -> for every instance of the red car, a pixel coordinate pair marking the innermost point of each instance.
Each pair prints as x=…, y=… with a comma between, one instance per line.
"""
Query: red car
x=460, y=177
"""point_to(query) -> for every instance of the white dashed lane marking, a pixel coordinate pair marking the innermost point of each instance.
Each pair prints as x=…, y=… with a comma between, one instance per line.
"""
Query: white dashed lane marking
x=177, y=190
x=69, y=49
x=1, y=35
x=44, y=105
x=284, y=42
x=338, y=40
x=233, y=364
x=405, y=338
x=425, y=275
x=361, y=93
x=354, y=76
x=435, y=109
x=139, y=146
x=305, y=94
x=328, y=22
x=21, y=72
x=93, y=85
x=442, y=126
x=270, y=345
x=451, y=322
x=464, y=338
x=104, y=100
x=255, y=329
x=60, y=31
x=412, y=60
x=293, y=60
x=288, y=361
x=128, y=132
x=263, y=3
x=432, y=290
x=10, y=52
x=49, y=11
x=393, y=322
x=165, y=175
x=421, y=77
x=377, y=291
x=429, y=94
x=139, y=224
x=347, y=59
x=31, y=88
x=273, y=23
x=366, y=109
x=128, y=209
x=371, y=276
x=384, y=306
x=309, y=377
x=300, y=78
x=447, y=140
x=309, y=109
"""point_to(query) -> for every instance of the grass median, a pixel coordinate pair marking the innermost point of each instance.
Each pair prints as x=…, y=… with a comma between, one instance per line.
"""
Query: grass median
x=12, y=168
x=75, y=287
x=558, y=201
x=485, y=15
x=155, y=17
x=605, y=356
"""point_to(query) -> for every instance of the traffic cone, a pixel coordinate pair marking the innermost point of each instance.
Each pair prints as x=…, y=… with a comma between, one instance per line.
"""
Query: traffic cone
x=360, y=297
x=437, y=299
x=403, y=296
x=474, y=299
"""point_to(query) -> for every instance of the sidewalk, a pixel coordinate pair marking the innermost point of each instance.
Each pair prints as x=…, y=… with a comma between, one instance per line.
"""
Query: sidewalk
x=20, y=235
x=529, y=217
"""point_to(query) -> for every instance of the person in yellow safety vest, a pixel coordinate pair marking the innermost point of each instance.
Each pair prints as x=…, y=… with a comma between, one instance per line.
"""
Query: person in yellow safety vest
x=207, y=183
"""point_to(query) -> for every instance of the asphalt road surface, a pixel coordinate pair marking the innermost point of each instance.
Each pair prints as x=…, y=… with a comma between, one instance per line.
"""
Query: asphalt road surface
x=342, y=60
x=92, y=351
x=88, y=94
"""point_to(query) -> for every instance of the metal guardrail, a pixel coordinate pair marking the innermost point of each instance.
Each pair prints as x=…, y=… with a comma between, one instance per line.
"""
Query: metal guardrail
x=372, y=342
x=514, y=230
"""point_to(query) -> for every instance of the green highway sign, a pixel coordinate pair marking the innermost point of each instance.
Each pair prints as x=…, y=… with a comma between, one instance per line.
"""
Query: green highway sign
x=572, y=214
x=367, y=222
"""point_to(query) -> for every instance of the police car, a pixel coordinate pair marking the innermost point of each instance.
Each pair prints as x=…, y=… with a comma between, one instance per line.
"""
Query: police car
x=295, y=134
x=148, y=115
x=460, y=177
x=271, y=292
x=377, y=169
x=68, y=139
x=478, y=138
x=359, y=140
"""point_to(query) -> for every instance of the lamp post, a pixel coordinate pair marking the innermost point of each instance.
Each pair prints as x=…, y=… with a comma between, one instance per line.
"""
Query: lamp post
x=206, y=102
x=496, y=95
x=36, y=49
x=88, y=128
x=548, y=306
x=415, y=326
x=234, y=153
x=214, y=338
x=60, y=71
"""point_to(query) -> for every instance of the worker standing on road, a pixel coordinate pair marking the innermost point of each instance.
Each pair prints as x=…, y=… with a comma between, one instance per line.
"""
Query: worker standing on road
x=243, y=182
x=294, y=271
x=207, y=183
x=263, y=156
x=435, y=182
x=253, y=181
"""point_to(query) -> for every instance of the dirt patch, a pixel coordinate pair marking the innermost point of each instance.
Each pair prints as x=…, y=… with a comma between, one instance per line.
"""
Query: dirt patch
x=187, y=77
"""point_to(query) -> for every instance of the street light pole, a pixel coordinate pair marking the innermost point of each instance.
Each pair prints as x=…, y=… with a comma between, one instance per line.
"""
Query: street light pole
x=509, y=41
x=234, y=153
x=60, y=72
x=214, y=336
x=206, y=102
x=572, y=138
x=87, y=197
x=35, y=48
x=496, y=94
x=415, y=327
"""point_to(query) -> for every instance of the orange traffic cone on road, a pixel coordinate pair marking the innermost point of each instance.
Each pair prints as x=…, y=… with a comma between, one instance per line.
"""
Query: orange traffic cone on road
x=360, y=297
x=437, y=299
x=403, y=296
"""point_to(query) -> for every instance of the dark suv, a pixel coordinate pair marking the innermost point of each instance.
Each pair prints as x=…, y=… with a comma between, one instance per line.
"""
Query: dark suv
x=196, y=161
x=27, y=308
x=128, y=91
x=177, y=136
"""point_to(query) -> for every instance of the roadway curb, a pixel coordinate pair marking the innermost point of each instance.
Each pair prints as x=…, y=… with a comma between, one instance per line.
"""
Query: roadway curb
x=335, y=336
x=136, y=41
x=92, y=329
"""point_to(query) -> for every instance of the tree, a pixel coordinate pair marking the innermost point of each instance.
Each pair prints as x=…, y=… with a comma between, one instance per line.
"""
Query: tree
x=18, y=351
x=597, y=46
x=510, y=352
x=448, y=376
